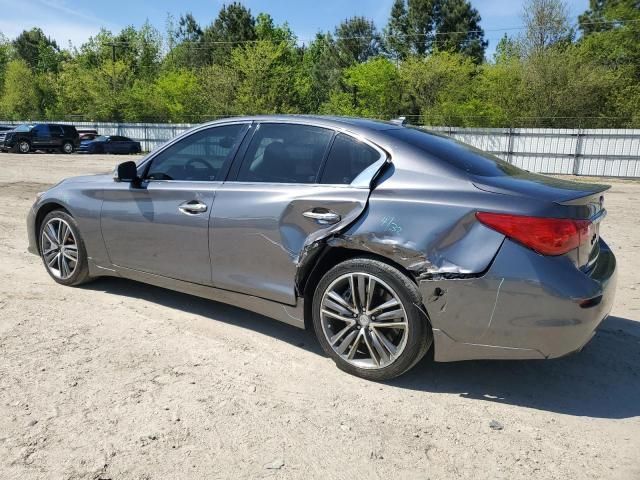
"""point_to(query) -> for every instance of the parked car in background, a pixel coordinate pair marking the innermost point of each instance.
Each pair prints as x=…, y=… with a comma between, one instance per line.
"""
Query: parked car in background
x=41, y=136
x=3, y=131
x=110, y=144
x=384, y=239
x=87, y=133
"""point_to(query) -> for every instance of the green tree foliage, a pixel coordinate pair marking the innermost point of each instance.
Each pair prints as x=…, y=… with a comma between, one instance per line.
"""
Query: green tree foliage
x=20, y=95
x=395, y=40
x=427, y=64
x=233, y=27
x=436, y=25
x=38, y=51
x=372, y=89
x=357, y=40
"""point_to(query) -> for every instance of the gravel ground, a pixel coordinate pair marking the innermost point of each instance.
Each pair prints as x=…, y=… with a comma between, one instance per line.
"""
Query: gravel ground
x=119, y=380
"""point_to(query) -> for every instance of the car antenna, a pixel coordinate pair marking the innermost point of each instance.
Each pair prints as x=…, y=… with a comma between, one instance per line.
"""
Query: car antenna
x=400, y=121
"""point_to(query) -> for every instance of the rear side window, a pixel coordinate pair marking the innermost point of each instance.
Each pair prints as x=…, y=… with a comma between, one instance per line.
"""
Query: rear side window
x=285, y=153
x=464, y=157
x=347, y=159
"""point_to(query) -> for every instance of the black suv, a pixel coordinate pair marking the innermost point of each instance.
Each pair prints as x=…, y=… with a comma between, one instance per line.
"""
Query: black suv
x=42, y=136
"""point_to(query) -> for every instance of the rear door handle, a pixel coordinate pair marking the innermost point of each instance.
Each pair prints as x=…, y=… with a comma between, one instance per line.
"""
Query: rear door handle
x=322, y=216
x=192, y=207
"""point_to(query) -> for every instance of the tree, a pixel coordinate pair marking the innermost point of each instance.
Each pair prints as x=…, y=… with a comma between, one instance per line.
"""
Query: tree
x=264, y=71
x=20, y=95
x=372, y=89
x=458, y=29
x=422, y=16
x=217, y=91
x=38, y=51
x=395, y=37
x=233, y=27
x=357, y=40
x=5, y=56
x=320, y=73
x=546, y=24
x=429, y=25
x=507, y=49
x=435, y=86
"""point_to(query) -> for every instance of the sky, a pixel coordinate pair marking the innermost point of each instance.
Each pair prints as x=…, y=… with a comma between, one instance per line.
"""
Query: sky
x=76, y=20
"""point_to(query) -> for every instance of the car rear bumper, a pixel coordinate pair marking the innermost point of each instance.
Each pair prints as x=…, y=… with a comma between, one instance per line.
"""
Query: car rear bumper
x=525, y=306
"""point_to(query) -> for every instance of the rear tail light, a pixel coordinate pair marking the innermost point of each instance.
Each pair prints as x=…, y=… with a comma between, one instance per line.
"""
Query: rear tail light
x=548, y=236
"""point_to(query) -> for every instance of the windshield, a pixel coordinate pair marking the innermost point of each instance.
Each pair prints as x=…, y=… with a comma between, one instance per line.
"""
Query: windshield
x=460, y=155
x=23, y=128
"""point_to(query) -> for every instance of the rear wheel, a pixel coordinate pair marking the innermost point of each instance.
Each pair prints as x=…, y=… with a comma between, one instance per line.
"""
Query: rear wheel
x=368, y=318
x=62, y=249
x=67, y=147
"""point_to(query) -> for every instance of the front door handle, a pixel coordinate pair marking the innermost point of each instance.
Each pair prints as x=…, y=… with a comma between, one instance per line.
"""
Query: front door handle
x=322, y=216
x=192, y=207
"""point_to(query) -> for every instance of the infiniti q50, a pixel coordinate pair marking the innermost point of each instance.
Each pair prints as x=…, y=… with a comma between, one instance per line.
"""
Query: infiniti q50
x=386, y=240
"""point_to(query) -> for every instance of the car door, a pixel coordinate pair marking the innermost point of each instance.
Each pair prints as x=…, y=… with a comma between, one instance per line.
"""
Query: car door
x=56, y=136
x=116, y=144
x=41, y=136
x=161, y=226
x=275, y=206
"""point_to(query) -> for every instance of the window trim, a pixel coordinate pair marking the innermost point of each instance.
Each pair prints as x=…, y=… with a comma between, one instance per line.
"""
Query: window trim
x=147, y=162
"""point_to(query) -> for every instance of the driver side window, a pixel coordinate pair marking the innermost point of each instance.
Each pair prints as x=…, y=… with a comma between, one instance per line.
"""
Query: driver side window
x=198, y=157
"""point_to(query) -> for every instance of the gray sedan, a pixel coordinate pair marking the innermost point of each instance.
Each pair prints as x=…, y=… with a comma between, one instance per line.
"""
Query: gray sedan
x=386, y=240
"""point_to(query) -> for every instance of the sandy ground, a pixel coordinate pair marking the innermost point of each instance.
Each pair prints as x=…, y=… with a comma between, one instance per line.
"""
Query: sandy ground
x=119, y=380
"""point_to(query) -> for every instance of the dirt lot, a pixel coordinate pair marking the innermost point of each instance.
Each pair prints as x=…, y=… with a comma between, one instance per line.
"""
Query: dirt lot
x=119, y=380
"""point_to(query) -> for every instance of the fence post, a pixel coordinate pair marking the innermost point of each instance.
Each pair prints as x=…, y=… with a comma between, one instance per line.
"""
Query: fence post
x=510, y=134
x=578, y=152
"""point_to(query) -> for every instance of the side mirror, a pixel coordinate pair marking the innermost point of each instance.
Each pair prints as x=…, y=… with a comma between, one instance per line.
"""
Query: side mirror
x=126, y=172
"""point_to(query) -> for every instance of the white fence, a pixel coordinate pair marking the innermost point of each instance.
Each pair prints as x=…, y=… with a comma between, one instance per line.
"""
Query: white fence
x=597, y=152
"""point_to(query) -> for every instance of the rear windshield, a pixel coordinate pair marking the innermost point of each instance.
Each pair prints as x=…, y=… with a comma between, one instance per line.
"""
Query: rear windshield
x=457, y=154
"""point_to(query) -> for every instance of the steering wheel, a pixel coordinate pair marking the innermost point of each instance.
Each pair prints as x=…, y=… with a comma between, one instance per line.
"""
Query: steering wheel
x=191, y=171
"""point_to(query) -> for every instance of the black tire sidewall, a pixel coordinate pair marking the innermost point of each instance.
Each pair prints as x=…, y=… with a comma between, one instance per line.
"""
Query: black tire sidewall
x=419, y=337
x=81, y=273
x=64, y=145
x=20, y=143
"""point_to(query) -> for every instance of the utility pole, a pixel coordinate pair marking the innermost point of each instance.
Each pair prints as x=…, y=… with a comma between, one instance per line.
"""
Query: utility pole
x=113, y=63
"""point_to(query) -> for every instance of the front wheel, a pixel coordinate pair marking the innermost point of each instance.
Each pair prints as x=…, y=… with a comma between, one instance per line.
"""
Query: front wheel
x=368, y=318
x=24, y=146
x=62, y=249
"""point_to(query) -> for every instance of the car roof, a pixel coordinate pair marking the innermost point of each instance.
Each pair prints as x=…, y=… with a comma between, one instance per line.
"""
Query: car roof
x=320, y=120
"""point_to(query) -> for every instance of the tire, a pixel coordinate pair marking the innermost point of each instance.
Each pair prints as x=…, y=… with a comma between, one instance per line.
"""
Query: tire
x=77, y=272
x=23, y=146
x=67, y=147
x=338, y=320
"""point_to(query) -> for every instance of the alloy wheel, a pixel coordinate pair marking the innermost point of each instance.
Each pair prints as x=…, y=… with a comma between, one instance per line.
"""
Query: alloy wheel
x=67, y=147
x=59, y=248
x=24, y=147
x=364, y=321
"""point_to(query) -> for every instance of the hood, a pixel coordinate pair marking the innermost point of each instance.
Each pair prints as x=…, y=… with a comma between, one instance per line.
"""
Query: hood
x=97, y=178
x=533, y=185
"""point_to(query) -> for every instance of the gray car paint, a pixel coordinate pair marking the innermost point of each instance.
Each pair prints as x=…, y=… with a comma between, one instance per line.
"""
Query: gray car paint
x=486, y=297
